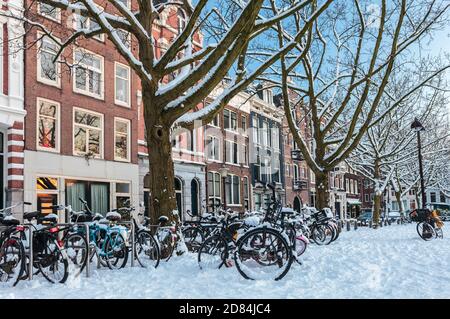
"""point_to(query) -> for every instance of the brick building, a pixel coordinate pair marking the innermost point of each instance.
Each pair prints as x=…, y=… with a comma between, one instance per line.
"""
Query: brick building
x=227, y=156
x=81, y=125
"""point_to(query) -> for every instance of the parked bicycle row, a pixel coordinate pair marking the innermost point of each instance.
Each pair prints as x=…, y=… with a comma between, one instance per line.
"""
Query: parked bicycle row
x=259, y=244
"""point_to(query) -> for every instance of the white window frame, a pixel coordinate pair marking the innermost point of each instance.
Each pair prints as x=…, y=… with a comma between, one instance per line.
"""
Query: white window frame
x=128, y=159
x=230, y=128
x=102, y=135
x=232, y=152
x=58, y=11
x=100, y=37
x=116, y=101
x=58, y=126
x=214, y=196
x=102, y=78
x=232, y=204
x=212, y=121
x=40, y=77
x=214, y=140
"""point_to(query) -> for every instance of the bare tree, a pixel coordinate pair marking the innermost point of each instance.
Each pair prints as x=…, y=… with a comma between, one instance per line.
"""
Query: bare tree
x=343, y=69
x=390, y=146
x=230, y=26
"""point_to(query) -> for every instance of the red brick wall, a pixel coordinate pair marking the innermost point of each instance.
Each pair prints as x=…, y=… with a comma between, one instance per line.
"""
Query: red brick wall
x=69, y=99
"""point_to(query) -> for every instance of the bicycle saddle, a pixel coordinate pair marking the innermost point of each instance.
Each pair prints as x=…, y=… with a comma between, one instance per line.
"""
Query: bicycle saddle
x=9, y=221
x=113, y=216
x=163, y=219
x=50, y=218
x=29, y=216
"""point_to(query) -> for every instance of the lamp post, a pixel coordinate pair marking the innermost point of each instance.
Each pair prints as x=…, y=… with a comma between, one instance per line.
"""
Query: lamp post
x=418, y=127
x=223, y=171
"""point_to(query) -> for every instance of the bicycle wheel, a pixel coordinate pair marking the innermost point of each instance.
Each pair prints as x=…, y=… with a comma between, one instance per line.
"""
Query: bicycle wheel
x=12, y=260
x=426, y=231
x=193, y=238
x=263, y=253
x=322, y=234
x=77, y=251
x=116, y=251
x=52, y=263
x=146, y=250
x=213, y=253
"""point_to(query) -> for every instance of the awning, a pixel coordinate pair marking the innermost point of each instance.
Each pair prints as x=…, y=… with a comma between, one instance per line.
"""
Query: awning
x=353, y=201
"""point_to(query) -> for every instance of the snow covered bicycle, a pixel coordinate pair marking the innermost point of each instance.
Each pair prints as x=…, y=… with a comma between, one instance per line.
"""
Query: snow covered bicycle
x=426, y=224
x=12, y=252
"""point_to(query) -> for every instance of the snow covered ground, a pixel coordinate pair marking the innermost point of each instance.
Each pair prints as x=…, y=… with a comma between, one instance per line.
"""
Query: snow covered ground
x=391, y=262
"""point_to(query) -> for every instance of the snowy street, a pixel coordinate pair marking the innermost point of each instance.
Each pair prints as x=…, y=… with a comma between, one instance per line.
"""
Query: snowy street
x=391, y=262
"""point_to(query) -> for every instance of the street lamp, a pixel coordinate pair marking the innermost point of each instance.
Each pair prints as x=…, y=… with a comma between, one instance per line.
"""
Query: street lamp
x=418, y=127
x=223, y=171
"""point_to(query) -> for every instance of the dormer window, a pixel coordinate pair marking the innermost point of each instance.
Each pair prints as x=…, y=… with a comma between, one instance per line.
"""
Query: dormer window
x=268, y=96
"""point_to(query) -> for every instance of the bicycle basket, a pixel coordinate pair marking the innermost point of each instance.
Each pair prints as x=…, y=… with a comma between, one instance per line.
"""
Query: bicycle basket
x=419, y=215
x=320, y=216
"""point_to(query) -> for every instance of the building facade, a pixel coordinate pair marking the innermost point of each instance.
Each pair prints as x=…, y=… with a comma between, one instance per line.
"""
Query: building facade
x=12, y=111
x=81, y=125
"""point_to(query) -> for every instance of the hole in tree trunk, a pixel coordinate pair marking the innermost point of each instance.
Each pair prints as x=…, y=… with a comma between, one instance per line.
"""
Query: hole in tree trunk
x=159, y=132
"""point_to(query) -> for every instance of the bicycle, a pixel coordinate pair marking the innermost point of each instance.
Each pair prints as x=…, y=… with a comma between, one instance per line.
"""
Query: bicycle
x=12, y=252
x=426, y=225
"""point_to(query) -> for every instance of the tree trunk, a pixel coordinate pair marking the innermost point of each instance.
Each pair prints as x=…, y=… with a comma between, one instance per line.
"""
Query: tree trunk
x=376, y=209
x=162, y=200
x=377, y=195
x=398, y=197
x=323, y=193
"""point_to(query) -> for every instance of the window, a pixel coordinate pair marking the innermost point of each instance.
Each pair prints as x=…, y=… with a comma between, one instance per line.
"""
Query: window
x=122, y=194
x=213, y=144
x=232, y=190
x=245, y=154
x=246, y=193
x=255, y=128
x=276, y=137
x=95, y=193
x=47, y=194
x=125, y=37
x=49, y=12
x=215, y=122
x=442, y=197
x=214, y=198
x=87, y=133
x=48, y=70
x=347, y=186
x=296, y=173
x=48, y=125
x=122, y=140
x=86, y=23
x=269, y=96
x=244, y=124
x=191, y=141
x=433, y=197
x=313, y=176
x=230, y=122
x=122, y=84
x=265, y=133
x=303, y=172
x=231, y=152
x=366, y=198
x=88, y=73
